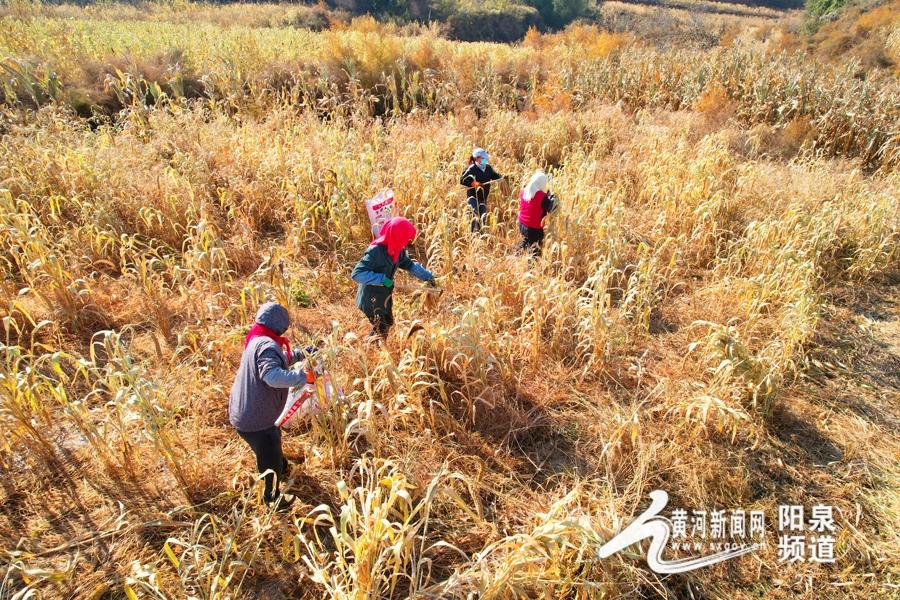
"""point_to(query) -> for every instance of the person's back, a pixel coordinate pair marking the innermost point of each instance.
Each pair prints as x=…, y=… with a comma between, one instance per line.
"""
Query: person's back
x=532, y=212
x=260, y=391
x=254, y=405
x=535, y=203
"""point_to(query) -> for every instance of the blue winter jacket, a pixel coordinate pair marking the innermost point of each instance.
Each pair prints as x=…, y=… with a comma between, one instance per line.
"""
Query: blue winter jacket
x=372, y=296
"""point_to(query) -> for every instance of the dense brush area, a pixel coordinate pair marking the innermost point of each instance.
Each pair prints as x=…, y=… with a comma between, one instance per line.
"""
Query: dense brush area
x=716, y=313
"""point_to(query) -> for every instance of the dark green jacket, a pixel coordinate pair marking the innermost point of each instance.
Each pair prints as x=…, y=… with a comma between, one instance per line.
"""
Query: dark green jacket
x=373, y=298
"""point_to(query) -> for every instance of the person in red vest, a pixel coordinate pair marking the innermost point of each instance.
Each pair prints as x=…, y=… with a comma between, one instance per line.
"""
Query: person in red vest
x=535, y=203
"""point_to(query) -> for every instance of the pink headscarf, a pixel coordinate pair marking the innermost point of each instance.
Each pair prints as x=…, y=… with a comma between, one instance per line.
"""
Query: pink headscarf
x=395, y=234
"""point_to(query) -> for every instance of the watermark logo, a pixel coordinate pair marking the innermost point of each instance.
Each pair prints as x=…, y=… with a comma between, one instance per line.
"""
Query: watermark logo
x=812, y=540
x=720, y=535
x=659, y=529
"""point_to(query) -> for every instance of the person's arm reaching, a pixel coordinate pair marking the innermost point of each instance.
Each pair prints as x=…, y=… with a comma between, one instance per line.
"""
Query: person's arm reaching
x=414, y=268
x=548, y=205
x=468, y=178
x=420, y=272
x=273, y=374
x=365, y=277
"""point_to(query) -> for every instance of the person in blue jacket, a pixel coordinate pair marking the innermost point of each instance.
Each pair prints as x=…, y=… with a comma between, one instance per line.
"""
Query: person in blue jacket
x=260, y=391
x=376, y=270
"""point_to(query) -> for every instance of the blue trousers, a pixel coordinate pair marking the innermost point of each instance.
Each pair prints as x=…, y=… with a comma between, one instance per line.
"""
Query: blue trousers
x=479, y=210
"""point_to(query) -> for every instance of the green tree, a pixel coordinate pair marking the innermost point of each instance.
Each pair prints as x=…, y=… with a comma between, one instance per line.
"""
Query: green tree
x=559, y=13
x=567, y=11
x=816, y=9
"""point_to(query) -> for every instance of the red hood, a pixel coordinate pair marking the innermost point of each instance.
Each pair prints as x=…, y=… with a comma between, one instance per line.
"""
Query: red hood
x=395, y=235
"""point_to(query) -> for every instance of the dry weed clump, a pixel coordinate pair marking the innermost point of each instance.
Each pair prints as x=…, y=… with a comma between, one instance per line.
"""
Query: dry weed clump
x=706, y=321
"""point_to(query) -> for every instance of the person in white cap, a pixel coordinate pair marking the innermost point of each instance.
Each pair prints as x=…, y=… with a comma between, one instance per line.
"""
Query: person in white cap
x=477, y=178
x=535, y=203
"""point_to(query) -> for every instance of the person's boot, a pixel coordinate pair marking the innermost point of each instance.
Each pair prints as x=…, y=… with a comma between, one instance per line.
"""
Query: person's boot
x=282, y=502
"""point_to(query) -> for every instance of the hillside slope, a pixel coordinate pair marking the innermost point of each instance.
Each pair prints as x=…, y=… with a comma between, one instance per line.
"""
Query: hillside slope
x=715, y=314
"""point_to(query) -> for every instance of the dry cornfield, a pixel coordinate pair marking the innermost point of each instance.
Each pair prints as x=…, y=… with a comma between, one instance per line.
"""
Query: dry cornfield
x=716, y=313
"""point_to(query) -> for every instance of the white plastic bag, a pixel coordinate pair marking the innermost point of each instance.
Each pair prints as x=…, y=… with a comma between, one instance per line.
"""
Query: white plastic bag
x=380, y=209
x=307, y=400
x=301, y=403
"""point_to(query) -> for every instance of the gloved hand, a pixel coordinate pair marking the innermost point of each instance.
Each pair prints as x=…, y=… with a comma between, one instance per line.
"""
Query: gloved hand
x=431, y=282
x=307, y=352
x=554, y=202
x=387, y=282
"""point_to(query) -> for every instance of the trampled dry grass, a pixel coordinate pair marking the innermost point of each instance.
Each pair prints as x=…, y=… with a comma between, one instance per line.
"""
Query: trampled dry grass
x=716, y=315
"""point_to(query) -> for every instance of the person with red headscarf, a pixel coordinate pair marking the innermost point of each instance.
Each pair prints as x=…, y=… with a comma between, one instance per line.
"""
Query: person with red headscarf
x=376, y=270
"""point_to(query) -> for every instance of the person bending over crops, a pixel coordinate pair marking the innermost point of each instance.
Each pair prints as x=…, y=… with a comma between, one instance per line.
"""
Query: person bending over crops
x=477, y=178
x=535, y=203
x=259, y=392
x=376, y=270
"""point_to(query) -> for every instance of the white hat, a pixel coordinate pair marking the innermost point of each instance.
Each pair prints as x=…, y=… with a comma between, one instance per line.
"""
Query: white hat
x=479, y=153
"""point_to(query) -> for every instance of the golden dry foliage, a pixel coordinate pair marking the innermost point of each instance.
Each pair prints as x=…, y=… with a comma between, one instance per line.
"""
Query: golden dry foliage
x=715, y=312
x=863, y=32
x=375, y=67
